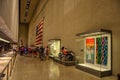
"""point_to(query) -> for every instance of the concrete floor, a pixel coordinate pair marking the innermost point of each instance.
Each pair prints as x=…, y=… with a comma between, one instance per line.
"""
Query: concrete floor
x=28, y=68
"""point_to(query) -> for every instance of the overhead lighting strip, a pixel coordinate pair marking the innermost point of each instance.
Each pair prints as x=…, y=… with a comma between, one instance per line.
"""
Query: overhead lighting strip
x=1, y=39
x=27, y=9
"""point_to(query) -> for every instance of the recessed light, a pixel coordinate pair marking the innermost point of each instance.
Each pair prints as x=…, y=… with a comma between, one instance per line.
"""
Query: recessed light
x=24, y=20
x=26, y=10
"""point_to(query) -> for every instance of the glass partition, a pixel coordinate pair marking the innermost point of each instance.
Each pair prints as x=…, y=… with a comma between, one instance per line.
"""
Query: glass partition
x=97, y=54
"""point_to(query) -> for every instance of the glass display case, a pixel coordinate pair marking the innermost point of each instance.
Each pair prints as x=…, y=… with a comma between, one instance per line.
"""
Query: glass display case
x=97, y=52
x=54, y=45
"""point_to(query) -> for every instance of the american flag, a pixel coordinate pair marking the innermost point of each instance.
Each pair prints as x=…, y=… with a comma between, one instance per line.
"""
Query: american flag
x=39, y=33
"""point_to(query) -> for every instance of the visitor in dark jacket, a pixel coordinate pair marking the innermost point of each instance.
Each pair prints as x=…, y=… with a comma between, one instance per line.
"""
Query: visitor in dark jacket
x=41, y=53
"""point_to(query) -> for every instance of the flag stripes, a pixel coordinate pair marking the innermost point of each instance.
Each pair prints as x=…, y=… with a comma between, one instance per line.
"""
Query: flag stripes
x=39, y=33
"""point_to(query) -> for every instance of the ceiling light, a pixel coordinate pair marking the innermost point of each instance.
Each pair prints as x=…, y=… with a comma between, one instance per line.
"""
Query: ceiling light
x=26, y=10
x=24, y=20
x=26, y=13
x=1, y=39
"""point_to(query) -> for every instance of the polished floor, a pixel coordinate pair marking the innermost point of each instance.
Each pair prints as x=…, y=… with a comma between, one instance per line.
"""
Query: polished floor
x=28, y=68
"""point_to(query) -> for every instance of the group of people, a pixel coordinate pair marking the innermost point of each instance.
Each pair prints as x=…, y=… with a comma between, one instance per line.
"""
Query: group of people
x=23, y=50
x=41, y=51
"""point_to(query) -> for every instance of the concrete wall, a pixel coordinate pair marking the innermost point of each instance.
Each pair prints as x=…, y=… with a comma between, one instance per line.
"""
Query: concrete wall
x=23, y=34
x=9, y=11
x=65, y=18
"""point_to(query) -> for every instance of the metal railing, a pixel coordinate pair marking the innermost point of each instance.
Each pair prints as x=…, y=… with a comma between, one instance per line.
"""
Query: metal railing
x=7, y=71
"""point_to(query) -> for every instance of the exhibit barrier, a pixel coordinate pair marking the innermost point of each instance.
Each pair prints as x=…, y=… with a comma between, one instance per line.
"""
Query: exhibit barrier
x=7, y=66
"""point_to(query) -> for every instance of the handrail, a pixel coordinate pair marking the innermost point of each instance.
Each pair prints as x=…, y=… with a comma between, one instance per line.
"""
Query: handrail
x=11, y=61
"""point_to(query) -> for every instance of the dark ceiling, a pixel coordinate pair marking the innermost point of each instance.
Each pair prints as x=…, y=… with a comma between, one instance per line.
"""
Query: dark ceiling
x=27, y=8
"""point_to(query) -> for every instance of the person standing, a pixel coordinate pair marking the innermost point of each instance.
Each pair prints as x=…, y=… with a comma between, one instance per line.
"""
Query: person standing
x=41, y=53
x=35, y=52
x=21, y=50
x=46, y=53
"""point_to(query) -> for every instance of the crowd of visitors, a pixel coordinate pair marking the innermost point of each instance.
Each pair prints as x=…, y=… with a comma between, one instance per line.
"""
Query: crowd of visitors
x=41, y=52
